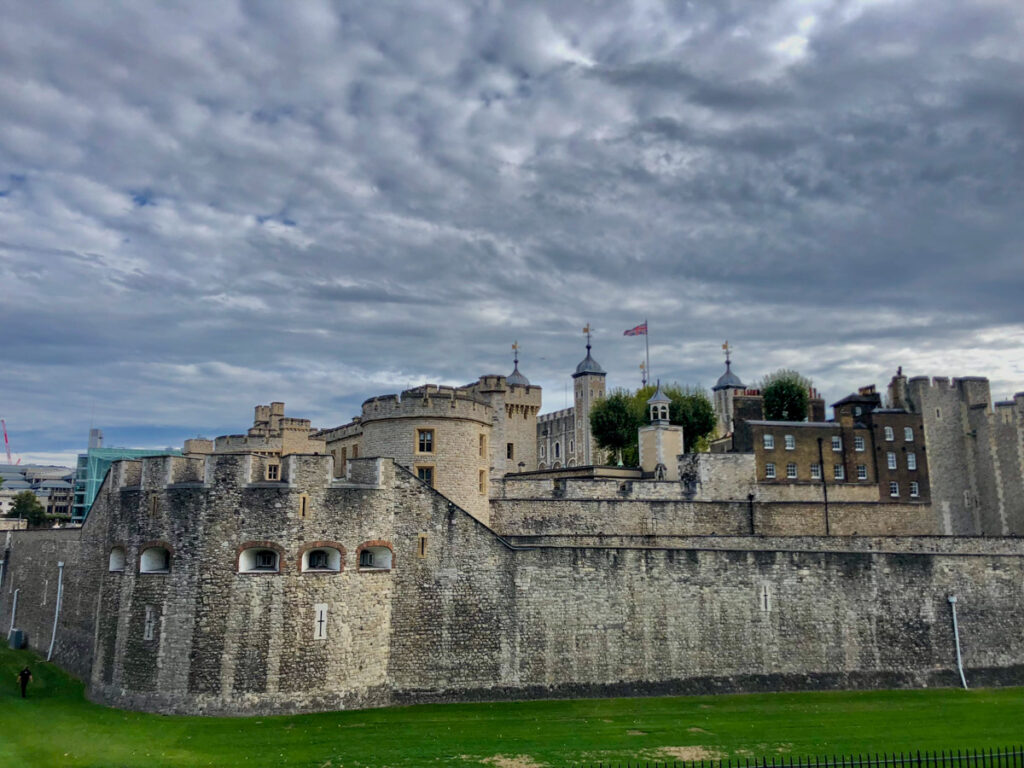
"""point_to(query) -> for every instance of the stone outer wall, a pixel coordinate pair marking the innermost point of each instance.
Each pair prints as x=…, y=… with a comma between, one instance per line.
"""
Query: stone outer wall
x=31, y=569
x=465, y=614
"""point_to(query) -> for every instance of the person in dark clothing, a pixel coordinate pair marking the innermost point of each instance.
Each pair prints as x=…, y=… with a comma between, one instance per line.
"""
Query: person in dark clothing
x=24, y=677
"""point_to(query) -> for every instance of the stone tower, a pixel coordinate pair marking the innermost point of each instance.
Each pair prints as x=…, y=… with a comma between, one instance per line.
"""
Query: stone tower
x=588, y=387
x=724, y=391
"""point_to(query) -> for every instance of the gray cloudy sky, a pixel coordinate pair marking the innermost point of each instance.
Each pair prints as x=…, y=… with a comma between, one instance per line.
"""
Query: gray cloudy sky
x=211, y=205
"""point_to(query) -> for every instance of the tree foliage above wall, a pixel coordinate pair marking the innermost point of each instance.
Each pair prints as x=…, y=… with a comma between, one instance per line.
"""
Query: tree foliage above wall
x=786, y=395
x=27, y=507
x=615, y=419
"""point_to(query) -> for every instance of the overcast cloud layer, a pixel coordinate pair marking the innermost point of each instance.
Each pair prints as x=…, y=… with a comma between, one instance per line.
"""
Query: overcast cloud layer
x=218, y=204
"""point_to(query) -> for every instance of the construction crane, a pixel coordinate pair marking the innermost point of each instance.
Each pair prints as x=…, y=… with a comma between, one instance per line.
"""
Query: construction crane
x=7, y=443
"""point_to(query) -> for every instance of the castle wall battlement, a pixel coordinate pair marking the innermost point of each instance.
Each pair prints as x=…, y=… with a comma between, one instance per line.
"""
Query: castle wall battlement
x=427, y=401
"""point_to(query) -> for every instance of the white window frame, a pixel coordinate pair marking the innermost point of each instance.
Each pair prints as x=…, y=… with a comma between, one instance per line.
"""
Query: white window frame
x=908, y=434
x=837, y=443
x=894, y=489
x=890, y=460
x=889, y=434
x=769, y=470
x=911, y=460
x=791, y=471
x=858, y=443
x=862, y=471
x=790, y=442
x=815, y=471
x=838, y=472
x=769, y=442
x=915, y=489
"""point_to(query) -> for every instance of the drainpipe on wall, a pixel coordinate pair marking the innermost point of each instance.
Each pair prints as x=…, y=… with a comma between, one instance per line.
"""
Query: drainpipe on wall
x=824, y=485
x=56, y=609
x=2, y=563
x=14, y=612
x=956, y=635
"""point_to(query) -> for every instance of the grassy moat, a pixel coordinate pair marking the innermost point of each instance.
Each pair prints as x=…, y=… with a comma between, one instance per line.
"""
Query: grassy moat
x=56, y=726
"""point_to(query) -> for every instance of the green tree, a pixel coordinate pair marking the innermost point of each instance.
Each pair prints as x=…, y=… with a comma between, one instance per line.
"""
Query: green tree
x=613, y=422
x=27, y=507
x=786, y=394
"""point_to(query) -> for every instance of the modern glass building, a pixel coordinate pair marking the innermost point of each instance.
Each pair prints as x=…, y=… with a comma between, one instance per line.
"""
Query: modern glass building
x=92, y=469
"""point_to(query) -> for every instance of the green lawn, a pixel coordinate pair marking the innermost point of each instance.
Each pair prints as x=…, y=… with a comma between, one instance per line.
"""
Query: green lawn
x=55, y=726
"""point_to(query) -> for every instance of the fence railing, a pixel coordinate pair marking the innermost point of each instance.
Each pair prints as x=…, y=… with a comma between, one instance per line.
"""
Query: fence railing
x=1008, y=757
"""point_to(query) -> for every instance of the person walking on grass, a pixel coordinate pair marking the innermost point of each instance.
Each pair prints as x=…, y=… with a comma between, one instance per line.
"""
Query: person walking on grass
x=24, y=677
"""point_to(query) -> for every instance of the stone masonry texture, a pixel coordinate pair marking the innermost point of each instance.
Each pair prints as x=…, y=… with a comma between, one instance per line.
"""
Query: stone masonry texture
x=577, y=596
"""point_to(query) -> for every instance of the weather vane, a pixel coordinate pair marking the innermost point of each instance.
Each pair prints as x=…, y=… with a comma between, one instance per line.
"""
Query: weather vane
x=643, y=374
x=728, y=350
x=515, y=352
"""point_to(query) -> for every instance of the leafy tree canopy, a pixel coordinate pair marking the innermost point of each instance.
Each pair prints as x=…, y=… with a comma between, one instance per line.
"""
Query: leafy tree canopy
x=27, y=507
x=786, y=395
x=615, y=419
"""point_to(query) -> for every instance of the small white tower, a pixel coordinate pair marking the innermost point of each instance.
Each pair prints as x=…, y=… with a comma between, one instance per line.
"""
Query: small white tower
x=661, y=443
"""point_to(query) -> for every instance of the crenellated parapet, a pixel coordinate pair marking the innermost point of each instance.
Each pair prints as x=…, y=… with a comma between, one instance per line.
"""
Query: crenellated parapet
x=428, y=401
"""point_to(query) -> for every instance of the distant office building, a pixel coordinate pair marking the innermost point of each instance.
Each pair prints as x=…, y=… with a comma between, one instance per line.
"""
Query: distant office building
x=92, y=468
x=51, y=485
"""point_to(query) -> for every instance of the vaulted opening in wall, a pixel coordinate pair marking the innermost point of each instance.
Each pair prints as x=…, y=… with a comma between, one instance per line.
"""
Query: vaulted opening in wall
x=155, y=560
x=117, y=559
x=375, y=559
x=322, y=559
x=258, y=560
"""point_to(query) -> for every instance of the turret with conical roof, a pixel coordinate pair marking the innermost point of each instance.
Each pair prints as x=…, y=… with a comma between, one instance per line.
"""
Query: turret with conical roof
x=516, y=379
x=723, y=392
x=588, y=387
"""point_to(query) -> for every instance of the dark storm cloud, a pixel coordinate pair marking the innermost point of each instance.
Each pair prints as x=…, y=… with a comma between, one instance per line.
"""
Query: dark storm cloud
x=208, y=205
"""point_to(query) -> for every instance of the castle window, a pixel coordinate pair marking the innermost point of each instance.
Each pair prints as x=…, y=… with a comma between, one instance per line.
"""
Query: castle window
x=815, y=471
x=857, y=410
x=258, y=560
x=862, y=471
x=424, y=441
x=542, y=452
x=894, y=489
x=510, y=450
x=482, y=481
x=938, y=413
x=890, y=460
x=323, y=559
x=426, y=474
x=838, y=472
x=911, y=461
x=769, y=442
x=908, y=434
x=421, y=545
x=154, y=505
x=355, y=451
x=790, y=442
x=858, y=443
x=889, y=435
x=837, y=443
x=344, y=462
x=483, y=445
x=155, y=560
x=915, y=490
x=558, y=450
x=116, y=562
x=273, y=471
x=572, y=446
x=375, y=559
x=791, y=471
x=769, y=471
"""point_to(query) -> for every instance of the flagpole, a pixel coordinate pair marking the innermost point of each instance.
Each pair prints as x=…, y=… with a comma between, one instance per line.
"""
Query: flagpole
x=647, y=347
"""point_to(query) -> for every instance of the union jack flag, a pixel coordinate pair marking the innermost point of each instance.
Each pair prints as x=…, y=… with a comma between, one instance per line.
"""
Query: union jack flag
x=640, y=330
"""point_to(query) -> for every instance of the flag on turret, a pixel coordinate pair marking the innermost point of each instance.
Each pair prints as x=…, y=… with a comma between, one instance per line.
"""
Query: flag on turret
x=640, y=330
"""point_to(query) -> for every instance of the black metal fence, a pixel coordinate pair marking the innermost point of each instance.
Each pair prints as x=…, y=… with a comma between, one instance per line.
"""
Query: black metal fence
x=1009, y=757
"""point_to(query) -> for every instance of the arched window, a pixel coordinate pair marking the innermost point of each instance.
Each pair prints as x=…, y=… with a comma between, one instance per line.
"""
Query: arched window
x=558, y=450
x=116, y=559
x=155, y=560
x=375, y=556
x=321, y=559
x=259, y=560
